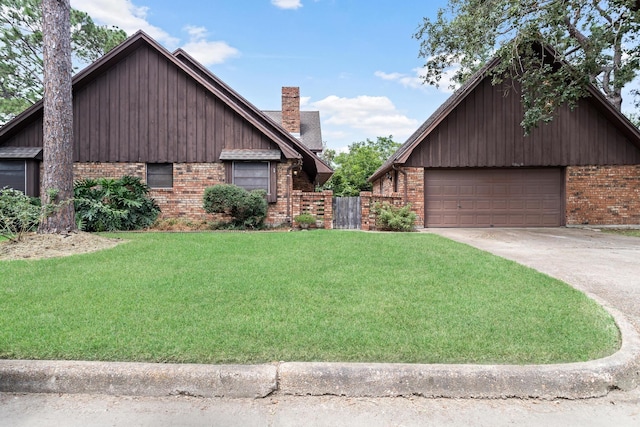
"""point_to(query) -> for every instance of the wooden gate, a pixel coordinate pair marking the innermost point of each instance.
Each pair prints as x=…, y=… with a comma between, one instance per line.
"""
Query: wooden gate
x=346, y=213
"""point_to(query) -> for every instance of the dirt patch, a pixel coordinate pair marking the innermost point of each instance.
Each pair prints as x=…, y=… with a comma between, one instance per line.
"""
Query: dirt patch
x=39, y=246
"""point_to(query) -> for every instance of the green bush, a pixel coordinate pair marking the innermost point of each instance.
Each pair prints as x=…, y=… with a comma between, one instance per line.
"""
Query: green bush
x=19, y=213
x=247, y=209
x=305, y=219
x=114, y=204
x=393, y=218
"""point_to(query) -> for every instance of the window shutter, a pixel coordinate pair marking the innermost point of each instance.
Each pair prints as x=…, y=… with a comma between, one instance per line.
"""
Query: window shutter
x=228, y=172
x=272, y=197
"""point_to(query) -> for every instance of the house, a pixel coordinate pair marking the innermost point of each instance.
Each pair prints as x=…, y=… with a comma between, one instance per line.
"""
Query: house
x=165, y=118
x=470, y=164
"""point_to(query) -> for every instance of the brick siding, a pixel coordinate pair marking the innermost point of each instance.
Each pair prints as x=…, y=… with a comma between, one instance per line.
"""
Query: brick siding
x=318, y=204
x=368, y=201
x=184, y=200
x=603, y=195
x=414, y=189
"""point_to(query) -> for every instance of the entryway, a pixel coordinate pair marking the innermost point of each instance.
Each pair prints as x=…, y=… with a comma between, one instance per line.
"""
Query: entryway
x=347, y=213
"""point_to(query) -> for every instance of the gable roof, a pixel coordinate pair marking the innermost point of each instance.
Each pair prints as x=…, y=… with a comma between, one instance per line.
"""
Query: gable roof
x=402, y=154
x=290, y=147
x=320, y=169
x=310, y=132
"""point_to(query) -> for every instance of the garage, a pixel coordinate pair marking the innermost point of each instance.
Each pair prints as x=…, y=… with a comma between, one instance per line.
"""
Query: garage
x=471, y=164
x=499, y=197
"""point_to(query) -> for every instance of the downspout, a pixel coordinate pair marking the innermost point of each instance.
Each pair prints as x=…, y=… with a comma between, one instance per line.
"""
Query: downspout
x=296, y=165
x=406, y=193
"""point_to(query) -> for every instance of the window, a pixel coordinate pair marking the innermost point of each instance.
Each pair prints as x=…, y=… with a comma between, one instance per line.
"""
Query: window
x=13, y=174
x=251, y=175
x=160, y=175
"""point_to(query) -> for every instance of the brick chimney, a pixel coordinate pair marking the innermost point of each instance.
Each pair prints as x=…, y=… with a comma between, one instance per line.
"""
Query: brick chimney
x=291, y=109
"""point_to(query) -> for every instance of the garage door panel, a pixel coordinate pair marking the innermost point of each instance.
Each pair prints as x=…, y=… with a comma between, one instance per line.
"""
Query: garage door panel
x=466, y=204
x=466, y=190
x=516, y=204
x=467, y=220
x=450, y=190
x=516, y=190
x=493, y=197
x=534, y=204
x=482, y=190
x=552, y=205
x=449, y=205
x=434, y=190
x=500, y=189
x=483, y=205
x=500, y=204
x=483, y=220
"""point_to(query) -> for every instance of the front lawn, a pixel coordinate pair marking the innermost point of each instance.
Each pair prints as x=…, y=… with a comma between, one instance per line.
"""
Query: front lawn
x=297, y=296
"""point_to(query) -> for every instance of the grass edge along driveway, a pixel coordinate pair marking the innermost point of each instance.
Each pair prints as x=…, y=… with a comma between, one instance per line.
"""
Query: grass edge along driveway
x=322, y=295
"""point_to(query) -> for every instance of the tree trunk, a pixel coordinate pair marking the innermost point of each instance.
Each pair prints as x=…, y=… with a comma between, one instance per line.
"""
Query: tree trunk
x=57, y=180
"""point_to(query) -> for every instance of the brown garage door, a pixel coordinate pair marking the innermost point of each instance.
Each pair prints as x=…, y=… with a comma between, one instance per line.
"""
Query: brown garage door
x=493, y=197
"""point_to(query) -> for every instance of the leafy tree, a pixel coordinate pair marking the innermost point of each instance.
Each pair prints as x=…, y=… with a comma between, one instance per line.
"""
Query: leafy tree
x=352, y=169
x=57, y=132
x=21, y=56
x=594, y=41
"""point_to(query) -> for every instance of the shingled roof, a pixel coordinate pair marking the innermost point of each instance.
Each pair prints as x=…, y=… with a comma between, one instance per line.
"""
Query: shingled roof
x=291, y=147
x=310, y=132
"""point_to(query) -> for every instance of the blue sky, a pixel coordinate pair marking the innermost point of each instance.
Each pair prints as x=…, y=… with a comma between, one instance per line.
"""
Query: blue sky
x=355, y=61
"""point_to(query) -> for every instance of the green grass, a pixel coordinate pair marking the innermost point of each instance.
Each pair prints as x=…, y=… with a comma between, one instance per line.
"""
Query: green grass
x=623, y=232
x=299, y=296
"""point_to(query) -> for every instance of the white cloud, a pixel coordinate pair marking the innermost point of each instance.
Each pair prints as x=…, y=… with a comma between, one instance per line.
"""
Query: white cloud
x=205, y=51
x=371, y=116
x=304, y=101
x=126, y=16
x=287, y=4
x=416, y=81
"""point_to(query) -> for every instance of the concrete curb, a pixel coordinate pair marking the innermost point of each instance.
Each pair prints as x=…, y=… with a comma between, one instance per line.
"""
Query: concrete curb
x=569, y=381
x=137, y=379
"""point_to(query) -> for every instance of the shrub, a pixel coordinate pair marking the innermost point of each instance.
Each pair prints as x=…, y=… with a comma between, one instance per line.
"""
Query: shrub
x=393, y=218
x=114, y=204
x=304, y=220
x=19, y=213
x=247, y=209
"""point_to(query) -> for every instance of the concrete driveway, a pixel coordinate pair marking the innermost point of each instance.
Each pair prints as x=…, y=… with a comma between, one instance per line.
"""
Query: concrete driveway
x=606, y=266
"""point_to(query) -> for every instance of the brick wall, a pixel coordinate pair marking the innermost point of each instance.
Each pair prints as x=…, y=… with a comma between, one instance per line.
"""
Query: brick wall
x=367, y=202
x=603, y=195
x=184, y=200
x=318, y=204
x=414, y=189
x=302, y=182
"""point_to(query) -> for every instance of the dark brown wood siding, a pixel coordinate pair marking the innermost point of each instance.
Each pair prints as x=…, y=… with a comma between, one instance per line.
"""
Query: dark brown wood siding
x=146, y=109
x=484, y=131
x=29, y=136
